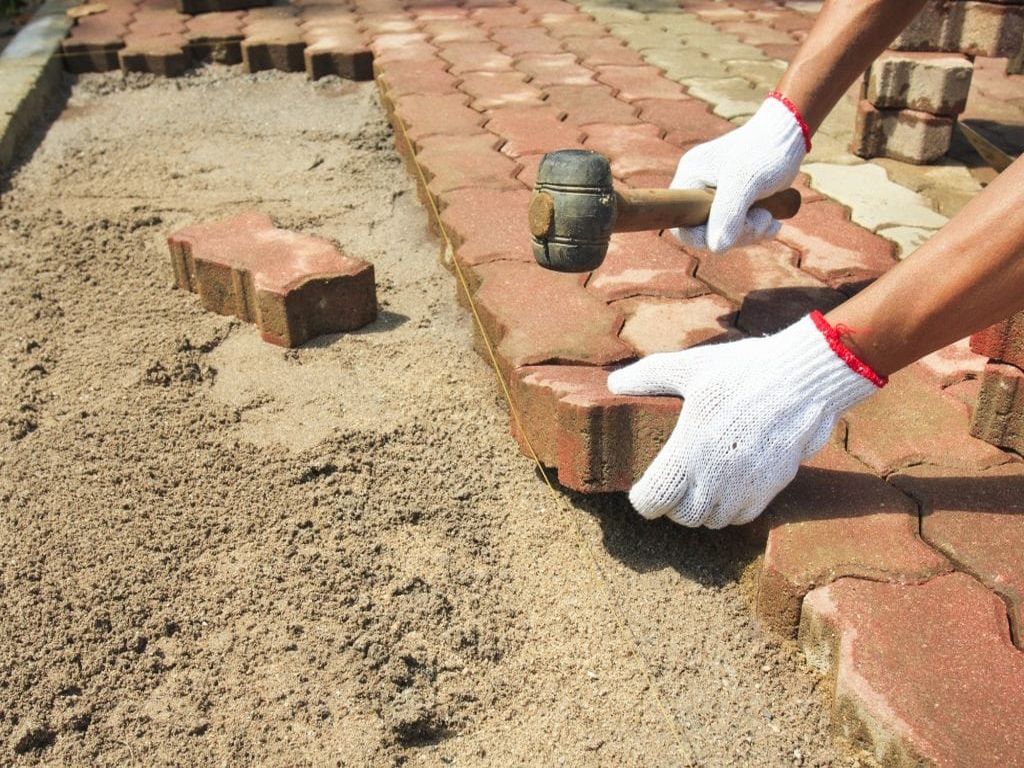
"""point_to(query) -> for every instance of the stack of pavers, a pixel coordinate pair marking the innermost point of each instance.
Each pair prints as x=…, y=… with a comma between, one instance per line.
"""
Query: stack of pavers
x=913, y=93
x=999, y=414
x=166, y=37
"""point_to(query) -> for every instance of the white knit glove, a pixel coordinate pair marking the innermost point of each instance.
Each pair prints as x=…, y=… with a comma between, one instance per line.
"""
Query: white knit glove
x=757, y=159
x=754, y=409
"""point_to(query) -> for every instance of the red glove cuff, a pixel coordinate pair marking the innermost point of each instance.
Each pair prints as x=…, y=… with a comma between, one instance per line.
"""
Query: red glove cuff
x=843, y=352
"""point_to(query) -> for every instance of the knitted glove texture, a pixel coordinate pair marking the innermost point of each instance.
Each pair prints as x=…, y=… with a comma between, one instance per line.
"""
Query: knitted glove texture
x=757, y=159
x=754, y=409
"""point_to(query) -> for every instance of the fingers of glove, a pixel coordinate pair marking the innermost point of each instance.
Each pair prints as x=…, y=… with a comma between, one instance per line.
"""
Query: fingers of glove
x=694, y=508
x=696, y=169
x=664, y=485
x=819, y=435
x=730, y=215
x=695, y=237
x=665, y=373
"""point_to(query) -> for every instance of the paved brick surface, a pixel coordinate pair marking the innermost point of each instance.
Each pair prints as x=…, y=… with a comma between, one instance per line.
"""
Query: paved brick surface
x=999, y=413
x=923, y=673
x=903, y=134
x=667, y=325
x=977, y=520
x=838, y=519
x=292, y=286
x=1003, y=342
x=937, y=83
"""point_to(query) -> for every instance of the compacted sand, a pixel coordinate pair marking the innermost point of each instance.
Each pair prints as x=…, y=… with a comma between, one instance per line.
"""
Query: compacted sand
x=218, y=552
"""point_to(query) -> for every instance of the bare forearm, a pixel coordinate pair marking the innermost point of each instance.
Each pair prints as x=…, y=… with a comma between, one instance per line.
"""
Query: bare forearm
x=965, y=278
x=847, y=36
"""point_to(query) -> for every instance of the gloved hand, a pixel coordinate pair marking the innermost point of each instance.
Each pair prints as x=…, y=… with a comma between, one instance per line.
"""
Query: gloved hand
x=757, y=159
x=753, y=410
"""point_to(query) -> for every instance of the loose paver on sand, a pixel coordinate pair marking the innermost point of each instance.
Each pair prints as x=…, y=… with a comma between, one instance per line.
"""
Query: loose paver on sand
x=885, y=581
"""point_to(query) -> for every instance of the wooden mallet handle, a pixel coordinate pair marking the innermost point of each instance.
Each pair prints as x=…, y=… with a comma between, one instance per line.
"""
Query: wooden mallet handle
x=646, y=209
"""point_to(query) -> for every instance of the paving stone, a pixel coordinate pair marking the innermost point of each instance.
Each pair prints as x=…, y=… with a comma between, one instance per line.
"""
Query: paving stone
x=156, y=23
x=903, y=134
x=923, y=674
x=342, y=52
x=161, y=55
x=833, y=249
x=1003, y=342
x=402, y=78
x=536, y=317
x=446, y=31
x=977, y=520
x=948, y=186
x=519, y=41
x=730, y=97
x=533, y=130
x=756, y=33
x=873, y=200
x=633, y=149
x=210, y=6
x=764, y=280
x=215, y=37
x=643, y=36
x=489, y=225
x=492, y=90
x=723, y=47
x=686, y=122
x=634, y=83
x=906, y=239
x=952, y=364
x=562, y=25
x=643, y=264
x=978, y=29
x=502, y=17
x=764, y=75
x=92, y=50
x=388, y=23
x=405, y=46
x=475, y=57
x=937, y=83
x=910, y=422
x=585, y=104
x=437, y=115
x=292, y=286
x=554, y=69
x=837, y=519
x=472, y=161
x=602, y=51
x=667, y=325
x=781, y=52
x=273, y=44
x=600, y=442
x=682, y=63
x=999, y=414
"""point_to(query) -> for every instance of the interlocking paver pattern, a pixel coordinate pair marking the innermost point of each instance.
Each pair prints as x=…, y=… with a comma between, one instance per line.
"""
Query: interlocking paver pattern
x=478, y=90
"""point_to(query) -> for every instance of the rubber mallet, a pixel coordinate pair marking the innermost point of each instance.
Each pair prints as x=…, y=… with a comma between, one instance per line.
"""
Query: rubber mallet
x=575, y=209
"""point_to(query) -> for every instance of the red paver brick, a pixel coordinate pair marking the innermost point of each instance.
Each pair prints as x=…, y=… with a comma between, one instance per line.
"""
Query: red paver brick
x=554, y=69
x=791, y=21
x=215, y=37
x=273, y=44
x=601, y=51
x=593, y=103
x=836, y=251
x=598, y=441
x=536, y=316
x=447, y=31
x=491, y=90
x=643, y=264
x=162, y=55
x=633, y=149
x=445, y=11
x=668, y=325
x=340, y=52
x=475, y=57
x=562, y=25
x=389, y=23
x=685, y=121
x=407, y=46
x=999, y=413
x=533, y=130
x=952, y=364
x=635, y=83
x=509, y=16
x=977, y=519
x=157, y=23
x=528, y=173
x=1003, y=341
x=292, y=286
x=92, y=44
x=472, y=161
x=275, y=13
x=650, y=181
x=765, y=281
x=910, y=422
x=489, y=225
x=516, y=41
x=837, y=519
x=923, y=674
x=210, y=6
x=407, y=78
x=437, y=115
